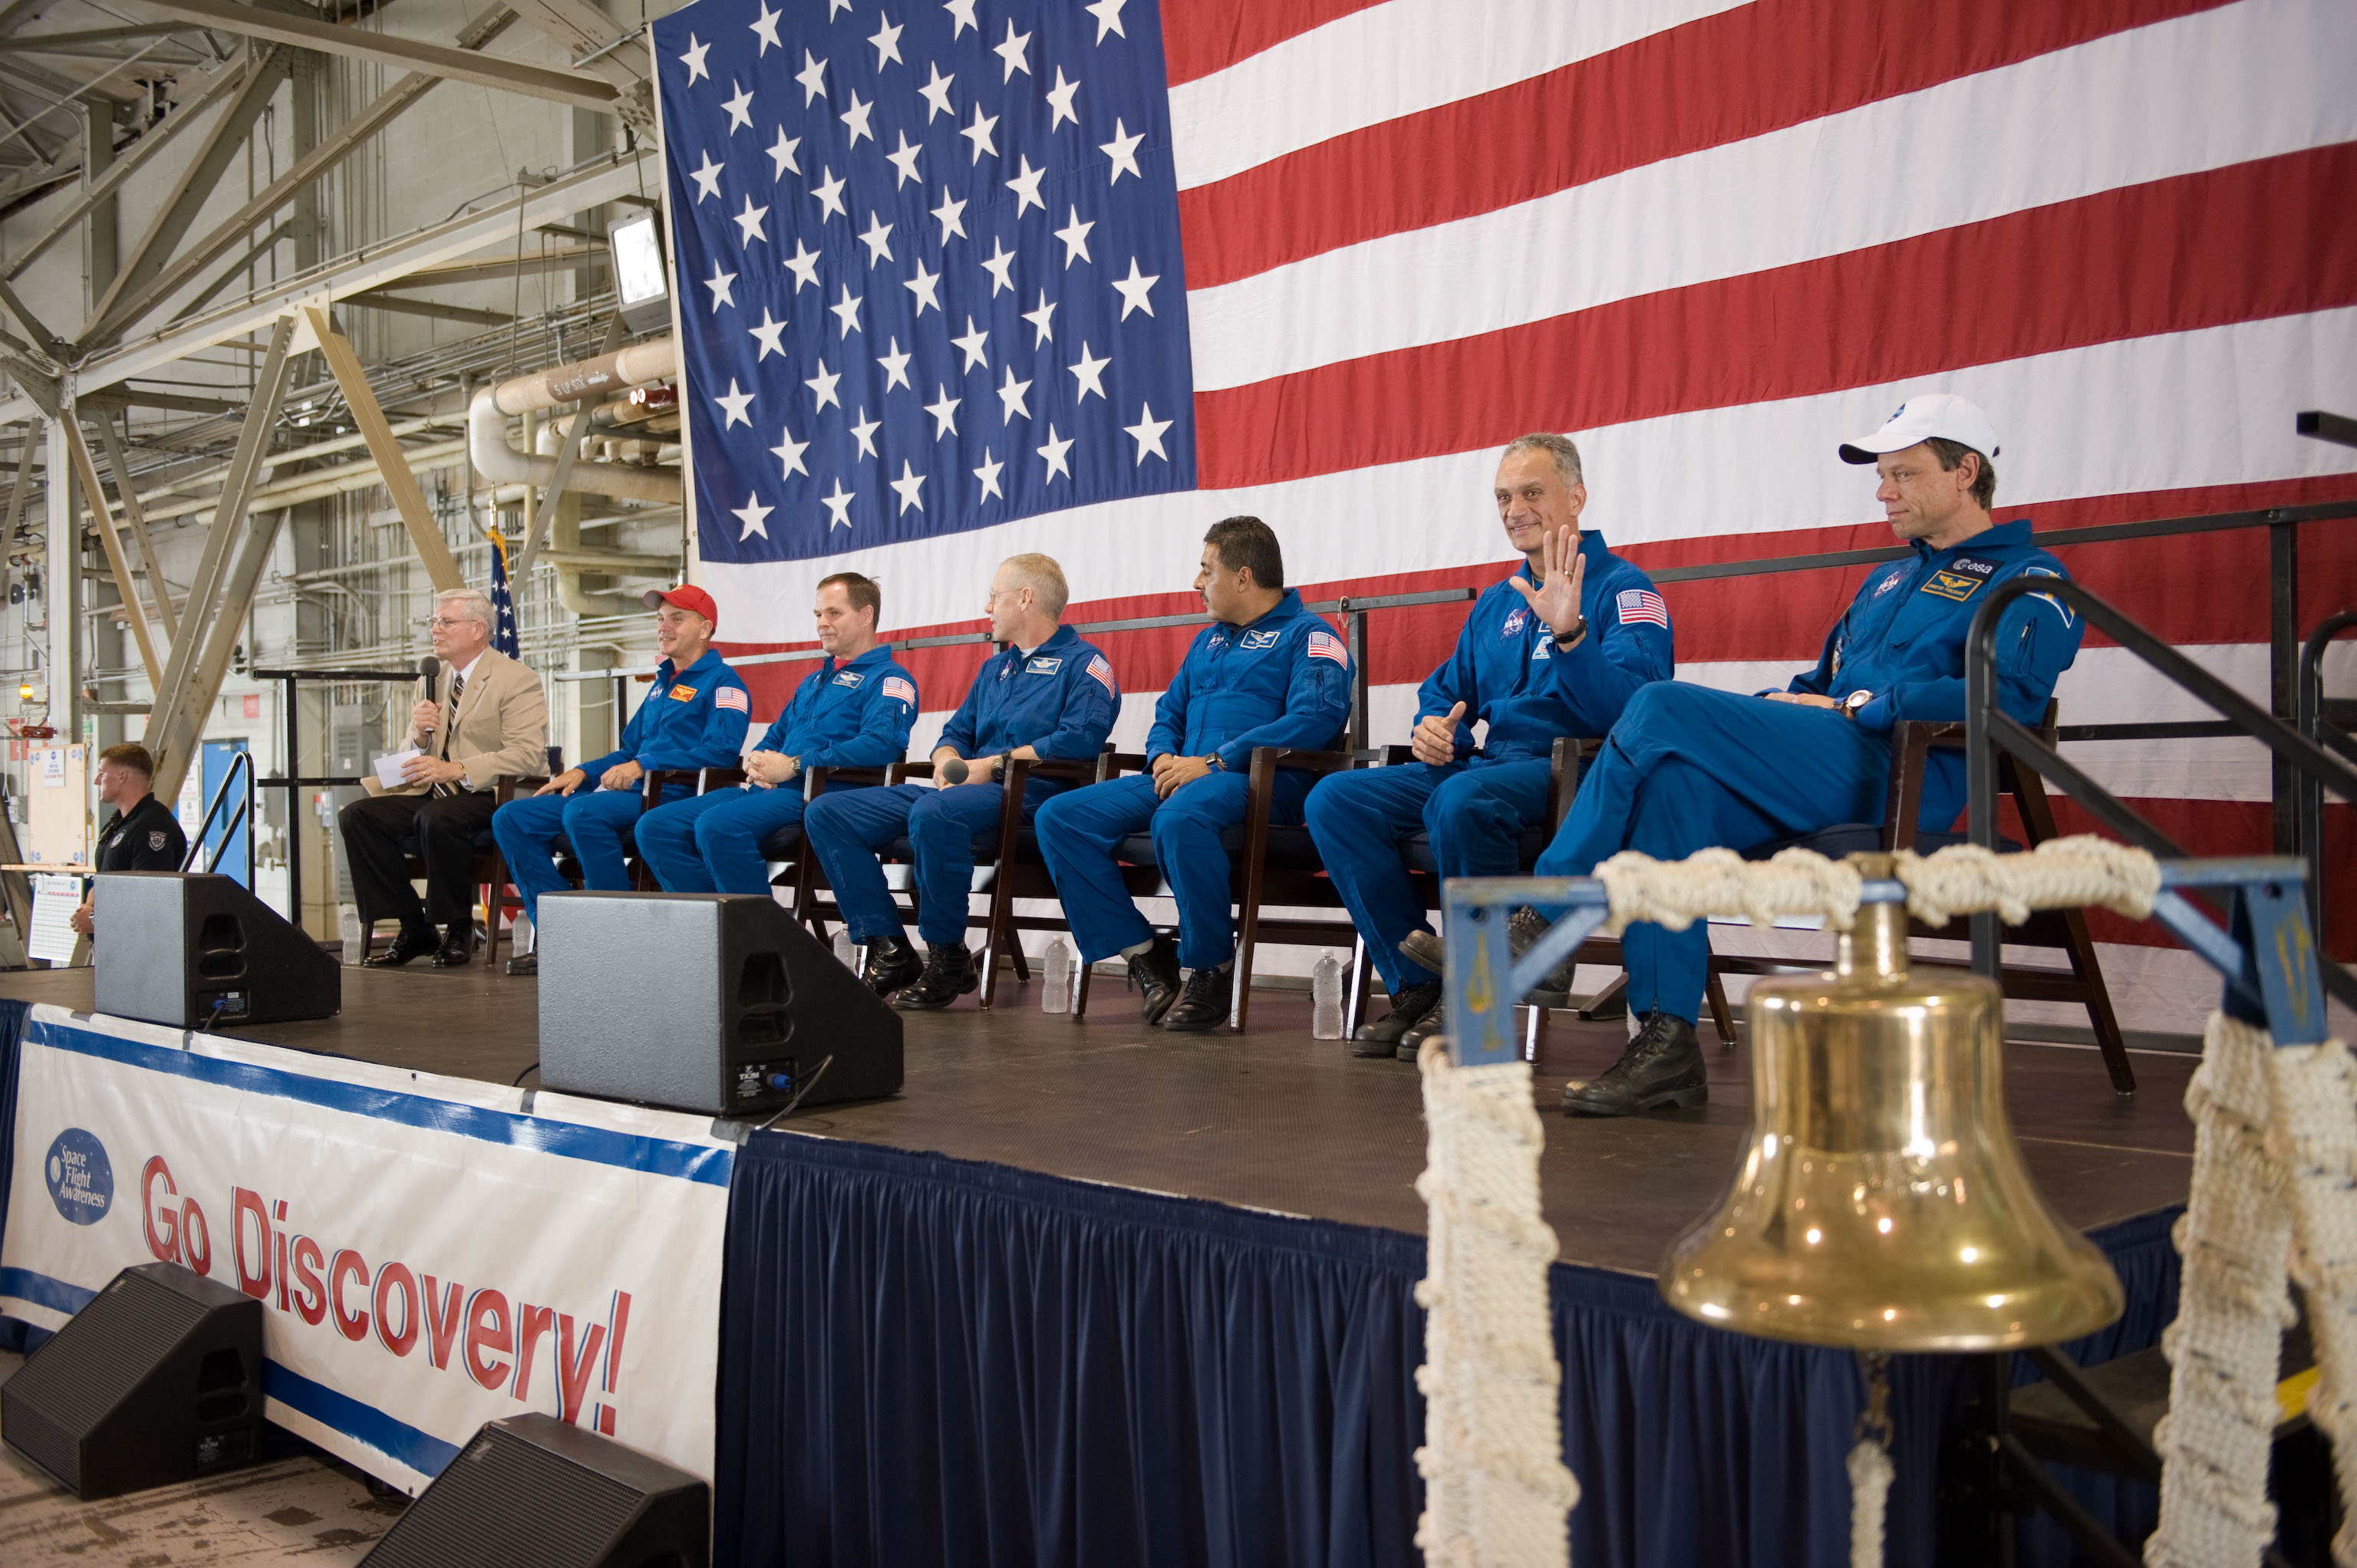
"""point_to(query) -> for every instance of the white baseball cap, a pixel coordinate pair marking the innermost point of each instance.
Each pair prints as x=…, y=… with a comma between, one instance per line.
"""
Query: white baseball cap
x=1920, y=418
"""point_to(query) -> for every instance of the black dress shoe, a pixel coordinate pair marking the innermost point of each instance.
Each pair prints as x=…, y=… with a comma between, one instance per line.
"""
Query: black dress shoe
x=458, y=949
x=1524, y=929
x=1155, y=973
x=406, y=947
x=949, y=974
x=1206, y=1002
x=524, y=964
x=891, y=964
x=1409, y=1008
x=1661, y=1066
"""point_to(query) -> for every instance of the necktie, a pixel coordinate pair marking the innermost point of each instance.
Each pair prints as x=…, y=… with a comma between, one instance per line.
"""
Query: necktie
x=457, y=690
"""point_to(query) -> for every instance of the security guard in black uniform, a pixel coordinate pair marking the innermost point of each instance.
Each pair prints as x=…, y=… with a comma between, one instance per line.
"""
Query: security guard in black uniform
x=143, y=835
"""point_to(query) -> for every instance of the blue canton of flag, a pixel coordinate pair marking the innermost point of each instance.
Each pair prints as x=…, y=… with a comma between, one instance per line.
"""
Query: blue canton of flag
x=503, y=616
x=927, y=266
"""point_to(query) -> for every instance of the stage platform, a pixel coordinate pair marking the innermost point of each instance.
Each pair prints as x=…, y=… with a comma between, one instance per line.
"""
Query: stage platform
x=1272, y=1120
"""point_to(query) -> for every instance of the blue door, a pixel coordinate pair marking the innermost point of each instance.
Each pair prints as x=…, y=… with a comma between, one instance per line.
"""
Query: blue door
x=214, y=767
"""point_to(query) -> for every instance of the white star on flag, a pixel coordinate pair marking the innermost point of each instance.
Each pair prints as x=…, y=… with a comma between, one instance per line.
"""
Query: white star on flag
x=887, y=39
x=972, y=345
x=829, y=191
x=1089, y=373
x=707, y=178
x=926, y=286
x=1059, y=101
x=1133, y=288
x=944, y=412
x=1011, y=51
x=1148, y=433
x=1011, y=398
x=1123, y=150
x=1108, y=15
x=905, y=160
x=839, y=505
x=803, y=264
x=768, y=335
x=896, y=367
x=1040, y=320
x=1075, y=235
x=748, y=223
x=789, y=454
x=721, y=284
x=750, y=514
x=999, y=265
x=693, y=60
x=847, y=310
x=948, y=215
x=936, y=93
x=979, y=133
x=781, y=154
x=857, y=118
x=822, y=386
x=765, y=27
x=813, y=76
x=1026, y=187
x=962, y=15
x=879, y=239
x=988, y=473
x=907, y=486
x=740, y=109
x=1055, y=451
x=735, y=404
x=864, y=433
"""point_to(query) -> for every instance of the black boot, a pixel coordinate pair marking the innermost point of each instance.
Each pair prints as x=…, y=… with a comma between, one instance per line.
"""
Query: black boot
x=458, y=949
x=949, y=974
x=1522, y=931
x=1410, y=1005
x=1662, y=1066
x=1155, y=973
x=891, y=964
x=408, y=945
x=1206, y=1002
x=1433, y=1023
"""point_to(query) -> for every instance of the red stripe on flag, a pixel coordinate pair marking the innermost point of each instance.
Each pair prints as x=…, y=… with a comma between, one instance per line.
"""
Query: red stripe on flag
x=1200, y=37
x=2272, y=237
x=1721, y=79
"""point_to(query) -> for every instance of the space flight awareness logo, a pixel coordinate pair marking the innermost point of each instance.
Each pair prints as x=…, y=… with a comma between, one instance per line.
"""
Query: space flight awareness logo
x=80, y=1177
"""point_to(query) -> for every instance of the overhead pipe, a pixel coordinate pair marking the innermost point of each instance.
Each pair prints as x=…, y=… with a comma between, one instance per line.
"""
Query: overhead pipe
x=497, y=460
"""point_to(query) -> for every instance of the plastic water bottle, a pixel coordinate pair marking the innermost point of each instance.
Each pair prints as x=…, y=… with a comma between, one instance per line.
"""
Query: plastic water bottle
x=522, y=933
x=844, y=954
x=1325, y=998
x=1056, y=996
x=355, y=935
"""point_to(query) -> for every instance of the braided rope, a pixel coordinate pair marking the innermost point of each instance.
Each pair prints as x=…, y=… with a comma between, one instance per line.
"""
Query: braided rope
x=1496, y=1490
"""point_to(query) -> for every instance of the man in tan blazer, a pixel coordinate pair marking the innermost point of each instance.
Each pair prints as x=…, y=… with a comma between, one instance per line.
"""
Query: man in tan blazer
x=489, y=717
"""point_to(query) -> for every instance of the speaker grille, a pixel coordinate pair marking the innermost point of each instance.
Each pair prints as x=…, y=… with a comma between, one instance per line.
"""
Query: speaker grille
x=126, y=1331
x=53, y=1447
x=473, y=1514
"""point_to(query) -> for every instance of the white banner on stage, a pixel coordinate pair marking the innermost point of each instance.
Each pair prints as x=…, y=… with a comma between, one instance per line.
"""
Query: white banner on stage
x=431, y=1254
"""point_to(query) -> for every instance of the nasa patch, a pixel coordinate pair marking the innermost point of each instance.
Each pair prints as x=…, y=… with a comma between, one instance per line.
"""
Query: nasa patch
x=1515, y=622
x=1890, y=580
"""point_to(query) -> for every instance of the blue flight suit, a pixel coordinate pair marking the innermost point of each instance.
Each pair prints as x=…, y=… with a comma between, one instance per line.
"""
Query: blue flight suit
x=1687, y=767
x=1284, y=681
x=855, y=714
x=694, y=717
x=1508, y=671
x=1061, y=700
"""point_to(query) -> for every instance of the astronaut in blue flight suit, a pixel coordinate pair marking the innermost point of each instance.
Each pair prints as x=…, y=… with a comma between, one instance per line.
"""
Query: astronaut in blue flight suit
x=1688, y=768
x=694, y=715
x=1532, y=679
x=1046, y=694
x=853, y=711
x=1265, y=673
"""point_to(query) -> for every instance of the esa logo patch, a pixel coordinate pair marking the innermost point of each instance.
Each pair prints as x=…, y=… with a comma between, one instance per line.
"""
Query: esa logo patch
x=1252, y=641
x=1043, y=666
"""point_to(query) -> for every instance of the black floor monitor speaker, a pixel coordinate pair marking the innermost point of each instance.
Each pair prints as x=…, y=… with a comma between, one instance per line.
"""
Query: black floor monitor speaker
x=196, y=951
x=713, y=1001
x=533, y=1492
x=156, y=1381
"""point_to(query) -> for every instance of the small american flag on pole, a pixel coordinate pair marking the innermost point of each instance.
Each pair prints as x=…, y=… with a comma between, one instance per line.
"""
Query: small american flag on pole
x=1643, y=605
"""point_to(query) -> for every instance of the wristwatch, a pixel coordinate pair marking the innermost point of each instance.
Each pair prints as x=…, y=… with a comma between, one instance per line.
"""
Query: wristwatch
x=1211, y=760
x=1564, y=637
x=1853, y=702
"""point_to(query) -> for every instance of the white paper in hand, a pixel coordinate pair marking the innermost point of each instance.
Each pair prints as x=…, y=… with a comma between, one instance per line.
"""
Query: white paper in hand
x=388, y=767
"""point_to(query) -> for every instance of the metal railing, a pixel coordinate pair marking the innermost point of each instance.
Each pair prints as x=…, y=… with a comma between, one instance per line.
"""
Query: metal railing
x=240, y=765
x=293, y=783
x=1989, y=728
x=2326, y=723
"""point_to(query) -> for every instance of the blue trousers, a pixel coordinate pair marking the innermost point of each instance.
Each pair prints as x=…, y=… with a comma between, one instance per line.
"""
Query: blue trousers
x=1078, y=833
x=1475, y=813
x=711, y=844
x=1688, y=768
x=848, y=828
x=592, y=821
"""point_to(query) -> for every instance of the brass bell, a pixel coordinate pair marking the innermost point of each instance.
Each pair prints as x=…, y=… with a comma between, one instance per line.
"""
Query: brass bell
x=1881, y=1202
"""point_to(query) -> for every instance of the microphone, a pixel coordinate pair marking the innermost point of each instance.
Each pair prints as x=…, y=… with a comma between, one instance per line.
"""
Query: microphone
x=427, y=669
x=953, y=771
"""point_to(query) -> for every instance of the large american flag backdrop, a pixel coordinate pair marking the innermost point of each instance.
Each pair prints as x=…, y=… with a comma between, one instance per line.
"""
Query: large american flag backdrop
x=959, y=280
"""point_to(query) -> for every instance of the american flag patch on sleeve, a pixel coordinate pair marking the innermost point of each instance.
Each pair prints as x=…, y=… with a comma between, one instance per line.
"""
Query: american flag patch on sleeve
x=1103, y=672
x=1326, y=645
x=732, y=697
x=896, y=687
x=1643, y=605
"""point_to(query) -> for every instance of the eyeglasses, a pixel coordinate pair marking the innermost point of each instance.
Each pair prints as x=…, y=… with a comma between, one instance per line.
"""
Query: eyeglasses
x=446, y=621
x=997, y=594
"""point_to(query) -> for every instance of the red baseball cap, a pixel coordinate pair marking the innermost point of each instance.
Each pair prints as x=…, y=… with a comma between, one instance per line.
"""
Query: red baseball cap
x=687, y=597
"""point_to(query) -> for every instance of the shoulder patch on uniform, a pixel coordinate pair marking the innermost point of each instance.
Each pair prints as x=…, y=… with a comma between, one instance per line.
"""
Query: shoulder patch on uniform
x=1043, y=666
x=896, y=687
x=732, y=697
x=1252, y=641
x=683, y=692
x=2060, y=607
x=156, y=839
x=1326, y=645
x=1642, y=604
x=1101, y=672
